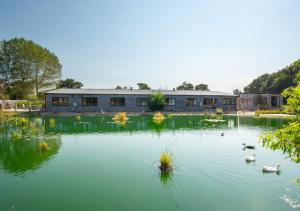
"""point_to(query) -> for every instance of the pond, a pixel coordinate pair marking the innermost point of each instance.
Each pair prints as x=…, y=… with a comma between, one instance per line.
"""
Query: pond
x=94, y=164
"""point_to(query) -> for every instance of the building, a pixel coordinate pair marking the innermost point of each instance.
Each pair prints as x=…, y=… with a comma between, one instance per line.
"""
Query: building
x=131, y=100
x=253, y=102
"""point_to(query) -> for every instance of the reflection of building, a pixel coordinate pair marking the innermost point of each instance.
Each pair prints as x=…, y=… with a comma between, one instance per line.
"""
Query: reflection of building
x=252, y=102
x=115, y=100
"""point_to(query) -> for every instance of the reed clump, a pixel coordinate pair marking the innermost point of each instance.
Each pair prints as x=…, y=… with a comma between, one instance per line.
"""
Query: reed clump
x=219, y=111
x=52, y=123
x=158, y=118
x=120, y=118
x=43, y=146
x=166, y=164
x=78, y=118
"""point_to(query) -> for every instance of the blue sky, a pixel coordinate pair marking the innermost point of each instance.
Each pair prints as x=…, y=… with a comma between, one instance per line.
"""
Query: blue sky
x=225, y=44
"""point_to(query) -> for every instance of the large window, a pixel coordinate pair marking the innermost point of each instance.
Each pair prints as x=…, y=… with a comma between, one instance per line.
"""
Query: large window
x=142, y=101
x=190, y=101
x=228, y=101
x=60, y=101
x=210, y=102
x=117, y=101
x=170, y=101
x=89, y=101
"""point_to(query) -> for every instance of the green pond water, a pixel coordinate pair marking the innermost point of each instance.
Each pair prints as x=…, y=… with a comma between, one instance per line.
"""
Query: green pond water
x=94, y=164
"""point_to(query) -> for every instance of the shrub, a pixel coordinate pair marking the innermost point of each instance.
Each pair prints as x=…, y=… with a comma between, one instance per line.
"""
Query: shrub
x=157, y=101
x=166, y=164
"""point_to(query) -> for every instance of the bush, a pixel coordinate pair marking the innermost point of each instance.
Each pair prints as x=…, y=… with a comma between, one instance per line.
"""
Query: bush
x=157, y=101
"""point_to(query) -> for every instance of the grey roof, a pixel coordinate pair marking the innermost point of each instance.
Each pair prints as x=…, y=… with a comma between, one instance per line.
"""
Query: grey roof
x=137, y=92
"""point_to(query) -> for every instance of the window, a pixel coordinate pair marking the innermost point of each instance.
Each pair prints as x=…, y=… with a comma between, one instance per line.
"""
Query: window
x=142, y=101
x=190, y=101
x=210, y=102
x=89, y=101
x=60, y=101
x=170, y=101
x=117, y=101
x=228, y=101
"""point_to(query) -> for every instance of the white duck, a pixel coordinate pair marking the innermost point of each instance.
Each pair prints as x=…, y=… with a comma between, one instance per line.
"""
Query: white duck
x=271, y=169
x=250, y=158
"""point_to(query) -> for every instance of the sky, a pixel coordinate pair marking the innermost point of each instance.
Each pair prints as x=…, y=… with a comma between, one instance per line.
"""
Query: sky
x=224, y=43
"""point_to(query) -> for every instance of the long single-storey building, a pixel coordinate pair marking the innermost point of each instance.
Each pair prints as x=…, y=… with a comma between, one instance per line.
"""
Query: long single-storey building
x=132, y=100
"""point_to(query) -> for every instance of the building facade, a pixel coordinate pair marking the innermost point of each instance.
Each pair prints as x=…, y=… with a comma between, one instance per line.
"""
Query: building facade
x=253, y=102
x=128, y=100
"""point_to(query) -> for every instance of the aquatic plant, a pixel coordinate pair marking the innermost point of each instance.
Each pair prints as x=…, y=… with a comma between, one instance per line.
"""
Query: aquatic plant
x=120, y=118
x=24, y=120
x=15, y=136
x=43, y=146
x=219, y=111
x=166, y=164
x=78, y=117
x=52, y=123
x=158, y=118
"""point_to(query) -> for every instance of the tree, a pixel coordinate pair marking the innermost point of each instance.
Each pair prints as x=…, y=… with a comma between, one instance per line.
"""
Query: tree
x=69, y=83
x=275, y=82
x=118, y=87
x=237, y=92
x=157, y=101
x=287, y=138
x=202, y=87
x=23, y=61
x=143, y=86
x=185, y=86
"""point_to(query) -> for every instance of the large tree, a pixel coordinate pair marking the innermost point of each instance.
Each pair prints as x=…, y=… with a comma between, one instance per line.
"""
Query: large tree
x=202, y=87
x=275, y=82
x=185, y=86
x=25, y=62
x=69, y=83
x=143, y=86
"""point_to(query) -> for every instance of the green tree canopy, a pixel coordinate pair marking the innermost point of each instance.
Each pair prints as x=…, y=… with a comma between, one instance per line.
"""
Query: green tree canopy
x=157, y=101
x=202, y=87
x=287, y=138
x=237, y=92
x=69, y=83
x=185, y=86
x=275, y=82
x=25, y=62
x=143, y=86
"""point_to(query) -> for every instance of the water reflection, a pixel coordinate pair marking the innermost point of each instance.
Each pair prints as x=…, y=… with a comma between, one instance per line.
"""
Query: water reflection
x=18, y=157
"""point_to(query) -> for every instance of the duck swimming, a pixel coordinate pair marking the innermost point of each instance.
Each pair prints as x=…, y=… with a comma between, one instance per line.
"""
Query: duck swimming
x=271, y=169
x=250, y=158
x=247, y=146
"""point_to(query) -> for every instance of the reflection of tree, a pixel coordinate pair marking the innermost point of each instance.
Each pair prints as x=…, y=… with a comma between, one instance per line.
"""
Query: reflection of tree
x=20, y=156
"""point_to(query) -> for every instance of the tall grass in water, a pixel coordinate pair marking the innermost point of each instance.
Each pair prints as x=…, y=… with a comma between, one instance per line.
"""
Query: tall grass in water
x=219, y=111
x=166, y=164
x=43, y=146
x=52, y=123
x=78, y=118
x=120, y=118
x=158, y=118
